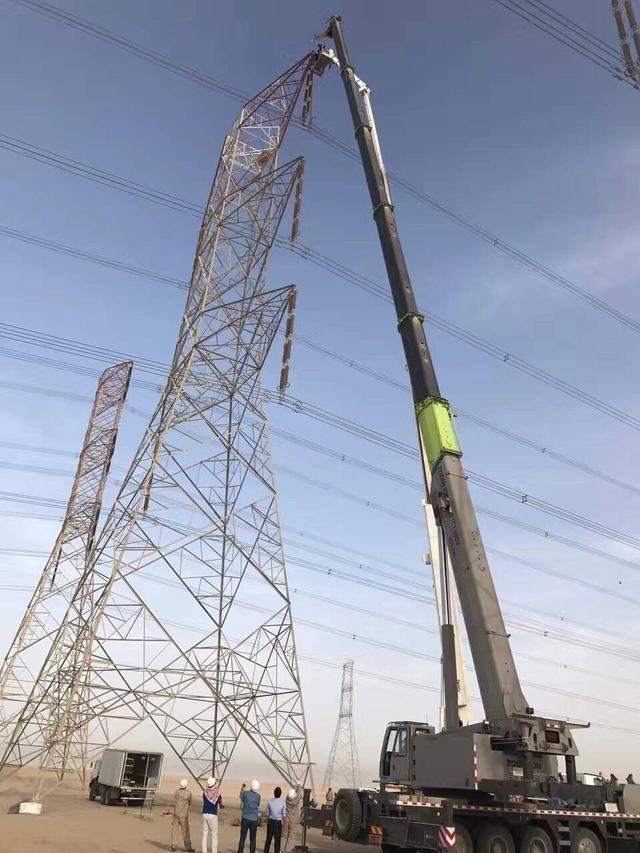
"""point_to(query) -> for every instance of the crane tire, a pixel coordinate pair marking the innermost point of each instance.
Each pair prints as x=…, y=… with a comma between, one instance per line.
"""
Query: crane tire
x=494, y=838
x=464, y=842
x=535, y=839
x=585, y=841
x=347, y=814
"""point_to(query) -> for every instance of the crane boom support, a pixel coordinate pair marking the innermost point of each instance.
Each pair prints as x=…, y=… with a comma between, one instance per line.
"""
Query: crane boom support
x=498, y=680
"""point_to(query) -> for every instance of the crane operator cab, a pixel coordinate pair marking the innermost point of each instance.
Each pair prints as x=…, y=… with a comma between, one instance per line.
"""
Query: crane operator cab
x=397, y=752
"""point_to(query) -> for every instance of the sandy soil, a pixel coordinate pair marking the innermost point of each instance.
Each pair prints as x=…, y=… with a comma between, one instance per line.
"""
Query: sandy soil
x=71, y=823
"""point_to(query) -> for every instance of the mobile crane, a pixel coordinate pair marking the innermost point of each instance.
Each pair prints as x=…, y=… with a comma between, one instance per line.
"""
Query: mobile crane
x=495, y=785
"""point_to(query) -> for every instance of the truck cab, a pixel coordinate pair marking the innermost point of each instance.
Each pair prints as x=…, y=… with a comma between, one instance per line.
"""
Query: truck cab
x=397, y=748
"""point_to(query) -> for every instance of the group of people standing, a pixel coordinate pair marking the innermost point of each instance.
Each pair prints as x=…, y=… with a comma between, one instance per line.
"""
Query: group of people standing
x=283, y=817
x=282, y=813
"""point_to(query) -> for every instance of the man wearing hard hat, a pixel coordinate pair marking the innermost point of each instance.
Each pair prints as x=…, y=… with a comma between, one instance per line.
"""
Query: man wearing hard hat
x=181, y=803
x=292, y=820
x=249, y=823
x=211, y=802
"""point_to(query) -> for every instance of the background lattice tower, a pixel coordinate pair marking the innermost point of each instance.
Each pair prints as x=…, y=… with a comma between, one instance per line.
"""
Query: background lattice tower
x=343, y=767
x=48, y=609
x=194, y=533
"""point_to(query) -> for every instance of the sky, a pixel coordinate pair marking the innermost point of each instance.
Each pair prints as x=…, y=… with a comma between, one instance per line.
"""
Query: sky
x=481, y=112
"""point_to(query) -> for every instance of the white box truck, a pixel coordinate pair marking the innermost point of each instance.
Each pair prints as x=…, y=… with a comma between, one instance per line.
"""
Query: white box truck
x=125, y=774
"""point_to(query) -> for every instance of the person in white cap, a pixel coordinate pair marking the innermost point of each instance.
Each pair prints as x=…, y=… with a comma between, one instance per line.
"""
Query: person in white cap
x=181, y=803
x=249, y=823
x=211, y=802
x=292, y=819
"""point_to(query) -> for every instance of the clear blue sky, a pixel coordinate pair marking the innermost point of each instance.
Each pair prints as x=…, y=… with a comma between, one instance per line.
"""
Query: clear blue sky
x=473, y=107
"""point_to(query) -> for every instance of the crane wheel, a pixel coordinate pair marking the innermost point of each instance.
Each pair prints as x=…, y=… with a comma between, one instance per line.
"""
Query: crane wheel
x=535, y=839
x=495, y=838
x=585, y=841
x=347, y=814
x=464, y=842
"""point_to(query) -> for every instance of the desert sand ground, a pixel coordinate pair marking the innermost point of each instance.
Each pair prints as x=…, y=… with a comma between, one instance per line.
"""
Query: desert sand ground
x=71, y=823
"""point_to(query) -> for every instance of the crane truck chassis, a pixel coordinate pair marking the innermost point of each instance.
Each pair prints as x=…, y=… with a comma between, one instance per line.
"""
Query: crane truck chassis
x=402, y=821
x=493, y=786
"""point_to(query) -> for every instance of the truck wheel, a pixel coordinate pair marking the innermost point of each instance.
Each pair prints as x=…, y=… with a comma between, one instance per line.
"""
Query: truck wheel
x=496, y=838
x=585, y=841
x=347, y=814
x=464, y=842
x=534, y=839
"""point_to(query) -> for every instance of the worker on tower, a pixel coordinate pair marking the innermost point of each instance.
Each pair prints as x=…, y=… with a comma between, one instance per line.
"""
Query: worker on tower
x=249, y=822
x=276, y=814
x=211, y=802
x=181, y=804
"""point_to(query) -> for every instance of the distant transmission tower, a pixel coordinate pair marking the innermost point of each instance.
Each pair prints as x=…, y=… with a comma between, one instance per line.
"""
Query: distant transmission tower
x=191, y=627
x=54, y=603
x=343, y=766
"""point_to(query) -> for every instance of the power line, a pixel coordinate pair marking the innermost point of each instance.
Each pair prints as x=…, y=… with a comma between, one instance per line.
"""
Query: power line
x=536, y=629
x=85, y=350
x=111, y=263
x=534, y=566
x=406, y=450
x=75, y=368
x=79, y=348
x=452, y=329
x=570, y=34
x=202, y=79
x=377, y=643
x=538, y=531
x=397, y=446
x=307, y=343
x=307, y=535
x=592, y=38
x=37, y=448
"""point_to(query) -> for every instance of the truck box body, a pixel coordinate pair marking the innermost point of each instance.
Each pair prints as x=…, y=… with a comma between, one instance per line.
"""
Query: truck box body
x=129, y=774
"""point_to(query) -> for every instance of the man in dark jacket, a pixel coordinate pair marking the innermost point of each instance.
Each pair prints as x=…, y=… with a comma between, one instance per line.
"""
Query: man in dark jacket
x=249, y=822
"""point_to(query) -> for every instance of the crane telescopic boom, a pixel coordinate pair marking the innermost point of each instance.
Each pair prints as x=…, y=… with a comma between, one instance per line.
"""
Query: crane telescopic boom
x=498, y=680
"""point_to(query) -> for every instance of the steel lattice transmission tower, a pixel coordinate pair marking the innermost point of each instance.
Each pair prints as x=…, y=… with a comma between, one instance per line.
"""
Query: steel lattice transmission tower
x=49, y=609
x=192, y=628
x=343, y=766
